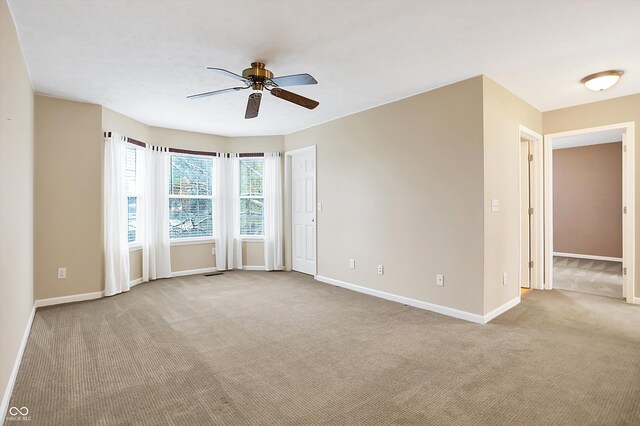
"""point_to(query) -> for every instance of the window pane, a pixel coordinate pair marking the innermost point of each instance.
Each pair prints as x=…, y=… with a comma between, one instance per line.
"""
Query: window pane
x=190, y=217
x=130, y=168
x=251, y=176
x=251, y=216
x=190, y=175
x=132, y=213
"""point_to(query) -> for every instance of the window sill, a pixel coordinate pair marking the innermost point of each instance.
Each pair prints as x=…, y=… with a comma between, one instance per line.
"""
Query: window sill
x=250, y=239
x=135, y=246
x=191, y=241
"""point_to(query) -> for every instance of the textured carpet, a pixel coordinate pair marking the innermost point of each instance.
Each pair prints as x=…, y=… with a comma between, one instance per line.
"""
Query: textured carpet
x=599, y=277
x=280, y=348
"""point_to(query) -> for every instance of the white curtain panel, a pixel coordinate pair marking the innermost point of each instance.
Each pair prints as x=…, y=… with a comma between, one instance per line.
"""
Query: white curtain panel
x=156, y=251
x=272, y=186
x=116, y=246
x=234, y=242
x=220, y=163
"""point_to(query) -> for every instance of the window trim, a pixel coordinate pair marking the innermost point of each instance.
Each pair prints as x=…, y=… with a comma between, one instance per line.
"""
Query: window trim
x=190, y=241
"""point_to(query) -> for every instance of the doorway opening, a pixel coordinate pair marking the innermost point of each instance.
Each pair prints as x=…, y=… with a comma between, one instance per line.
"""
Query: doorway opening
x=300, y=208
x=589, y=200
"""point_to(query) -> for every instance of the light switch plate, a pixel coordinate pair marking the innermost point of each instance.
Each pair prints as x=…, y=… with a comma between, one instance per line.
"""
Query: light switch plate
x=495, y=205
x=440, y=279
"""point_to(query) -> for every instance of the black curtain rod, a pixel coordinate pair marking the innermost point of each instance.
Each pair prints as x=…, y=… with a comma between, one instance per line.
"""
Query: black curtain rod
x=188, y=151
x=130, y=140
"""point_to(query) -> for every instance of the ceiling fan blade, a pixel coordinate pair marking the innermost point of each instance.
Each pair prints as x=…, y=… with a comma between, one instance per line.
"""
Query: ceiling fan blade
x=253, y=105
x=293, y=80
x=294, y=98
x=229, y=74
x=216, y=92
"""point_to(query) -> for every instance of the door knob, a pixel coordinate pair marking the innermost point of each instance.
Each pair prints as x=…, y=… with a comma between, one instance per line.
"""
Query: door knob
x=313, y=220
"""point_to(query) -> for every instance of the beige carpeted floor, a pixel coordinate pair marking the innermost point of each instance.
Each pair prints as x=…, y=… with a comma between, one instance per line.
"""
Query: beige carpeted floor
x=599, y=277
x=280, y=348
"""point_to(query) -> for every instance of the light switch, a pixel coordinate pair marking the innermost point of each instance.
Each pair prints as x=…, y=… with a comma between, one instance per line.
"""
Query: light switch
x=319, y=207
x=495, y=205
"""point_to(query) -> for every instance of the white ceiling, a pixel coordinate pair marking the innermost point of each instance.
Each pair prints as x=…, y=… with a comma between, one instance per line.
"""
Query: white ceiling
x=142, y=58
x=592, y=138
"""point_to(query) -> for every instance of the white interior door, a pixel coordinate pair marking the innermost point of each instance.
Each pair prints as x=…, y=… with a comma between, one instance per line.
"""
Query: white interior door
x=525, y=214
x=303, y=206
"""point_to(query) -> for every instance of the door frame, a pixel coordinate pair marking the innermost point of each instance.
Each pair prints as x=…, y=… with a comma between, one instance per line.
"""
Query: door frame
x=537, y=225
x=628, y=202
x=288, y=205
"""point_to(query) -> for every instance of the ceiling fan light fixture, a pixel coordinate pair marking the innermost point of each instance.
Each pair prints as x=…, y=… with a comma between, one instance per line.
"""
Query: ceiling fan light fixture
x=602, y=80
x=258, y=78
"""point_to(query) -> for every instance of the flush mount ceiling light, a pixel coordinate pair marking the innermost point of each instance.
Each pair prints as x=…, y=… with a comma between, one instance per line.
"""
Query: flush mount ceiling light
x=602, y=80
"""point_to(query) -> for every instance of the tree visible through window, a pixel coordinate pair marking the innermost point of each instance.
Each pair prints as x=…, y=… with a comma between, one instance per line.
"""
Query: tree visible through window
x=191, y=197
x=251, y=197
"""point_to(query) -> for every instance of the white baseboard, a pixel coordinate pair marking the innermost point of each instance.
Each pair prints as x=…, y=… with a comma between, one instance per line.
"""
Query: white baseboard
x=456, y=313
x=501, y=309
x=636, y=300
x=16, y=366
x=193, y=272
x=68, y=299
x=135, y=282
x=588, y=256
x=254, y=268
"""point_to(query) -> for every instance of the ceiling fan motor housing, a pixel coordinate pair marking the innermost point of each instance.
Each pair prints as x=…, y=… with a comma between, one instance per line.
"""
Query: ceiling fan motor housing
x=257, y=74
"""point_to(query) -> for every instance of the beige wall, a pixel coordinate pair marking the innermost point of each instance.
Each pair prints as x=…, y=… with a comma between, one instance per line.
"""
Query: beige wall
x=135, y=264
x=587, y=200
x=256, y=144
x=613, y=111
x=192, y=256
x=113, y=121
x=16, y=195
x=503, y=114
x=253, y=253
x=187, y=140
x=402, y=185
x=68, y=197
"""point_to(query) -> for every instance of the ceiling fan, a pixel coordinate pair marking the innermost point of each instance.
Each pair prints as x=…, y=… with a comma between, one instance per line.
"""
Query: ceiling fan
x=259, y=78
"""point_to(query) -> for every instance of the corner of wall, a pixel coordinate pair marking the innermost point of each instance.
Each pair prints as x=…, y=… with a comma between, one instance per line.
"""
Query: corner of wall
x=503, y=113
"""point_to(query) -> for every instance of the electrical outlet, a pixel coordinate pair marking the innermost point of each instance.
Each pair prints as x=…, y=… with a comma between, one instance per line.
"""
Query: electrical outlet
x=504, y=278
x=352, y=263
x=62, y=273
x=380, y=269
x=439, y=279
